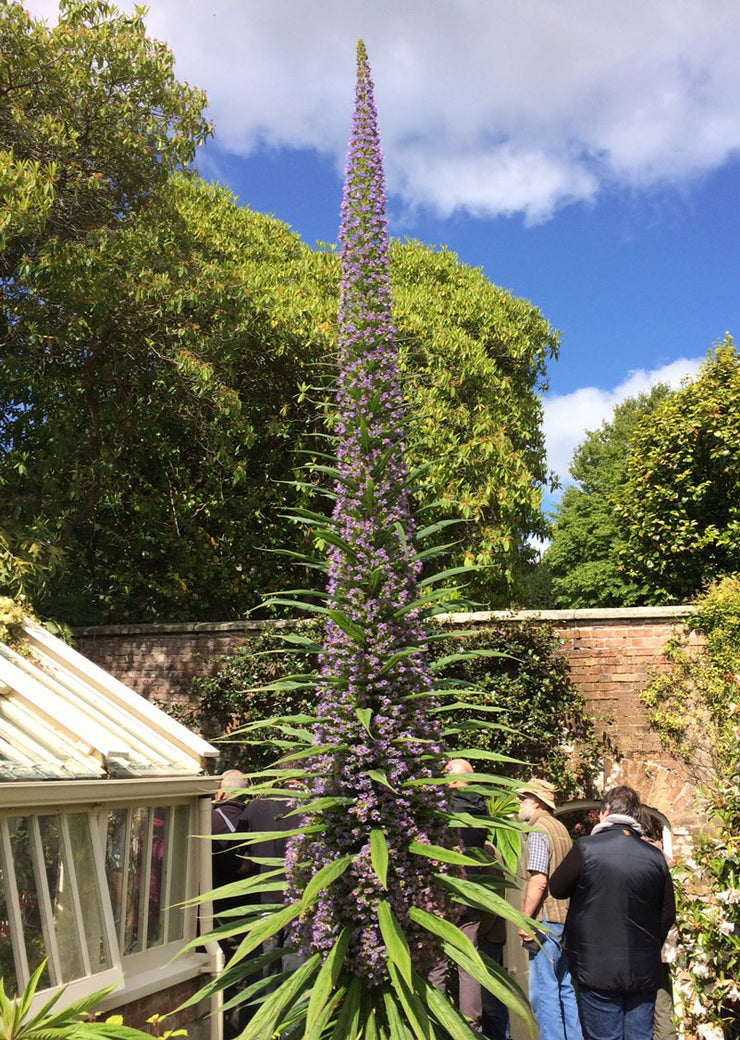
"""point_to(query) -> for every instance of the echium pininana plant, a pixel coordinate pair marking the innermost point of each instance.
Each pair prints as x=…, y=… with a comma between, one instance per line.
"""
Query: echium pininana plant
x=372, y=666
x=374, y=874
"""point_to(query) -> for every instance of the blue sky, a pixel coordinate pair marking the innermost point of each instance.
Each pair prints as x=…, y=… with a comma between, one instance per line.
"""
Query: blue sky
x=585, y=155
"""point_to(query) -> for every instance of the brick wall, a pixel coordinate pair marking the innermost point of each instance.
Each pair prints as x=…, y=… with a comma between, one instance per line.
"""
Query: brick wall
x=610, y=654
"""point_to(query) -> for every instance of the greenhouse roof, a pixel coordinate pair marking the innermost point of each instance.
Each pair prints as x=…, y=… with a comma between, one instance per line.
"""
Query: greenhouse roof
x=64, y=718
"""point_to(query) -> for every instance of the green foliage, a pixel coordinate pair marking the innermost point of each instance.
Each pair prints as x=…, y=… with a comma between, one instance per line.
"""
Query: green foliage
x=27, y=563
x=474, y=358
x=247, y=686
x=160, y=382
x=512, y=673
x=587, y=535
x=92, y=123
x=542, y=716
x=12, y=616
x=695, y=708
x=149, y=415
x=680, y=505
x=73, y=1021
x=166, y=353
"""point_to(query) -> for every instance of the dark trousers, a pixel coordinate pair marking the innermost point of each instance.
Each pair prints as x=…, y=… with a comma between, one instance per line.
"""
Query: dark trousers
x=495, y=1019
x=469, y=998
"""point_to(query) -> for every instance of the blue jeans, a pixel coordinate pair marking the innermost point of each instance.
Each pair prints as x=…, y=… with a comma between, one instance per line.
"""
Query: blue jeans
x=616, y=1016
x=551, y=991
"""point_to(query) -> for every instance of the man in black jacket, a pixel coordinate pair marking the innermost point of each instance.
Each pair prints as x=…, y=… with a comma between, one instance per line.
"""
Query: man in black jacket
x=621, y=908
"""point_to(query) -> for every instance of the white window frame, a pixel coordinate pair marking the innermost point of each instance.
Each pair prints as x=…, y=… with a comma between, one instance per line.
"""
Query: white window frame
x=150, y=970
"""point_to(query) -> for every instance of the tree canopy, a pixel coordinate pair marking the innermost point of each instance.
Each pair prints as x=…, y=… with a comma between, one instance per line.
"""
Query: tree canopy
x=92, y=123
x=680, y=504
x=166, y=354
x=583, y=556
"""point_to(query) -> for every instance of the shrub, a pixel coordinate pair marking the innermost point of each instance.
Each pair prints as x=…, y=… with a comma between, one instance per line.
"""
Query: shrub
x=527, y=683
x=695, y=708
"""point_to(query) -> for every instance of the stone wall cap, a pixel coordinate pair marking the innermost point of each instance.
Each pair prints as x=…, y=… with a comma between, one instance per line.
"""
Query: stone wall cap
x=171, y=628
x=625, y=614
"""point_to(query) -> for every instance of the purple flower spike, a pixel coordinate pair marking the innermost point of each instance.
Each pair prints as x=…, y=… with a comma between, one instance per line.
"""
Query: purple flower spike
x=373, y=662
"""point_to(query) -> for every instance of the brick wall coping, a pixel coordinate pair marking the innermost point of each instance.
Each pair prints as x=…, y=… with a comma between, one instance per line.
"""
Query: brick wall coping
x=604, y=614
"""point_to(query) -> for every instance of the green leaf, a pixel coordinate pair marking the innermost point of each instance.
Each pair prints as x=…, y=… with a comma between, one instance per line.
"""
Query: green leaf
x=323, y=879
x=469, y=655
x=440, y=525
x=379, y=776
x=400, y=655
x=416, y=1014
x=326, y=980
x=305, y=641
x=266, y=928
x=266, y=1019
x=423, y=601
x=435, y=579
x=396, y=1024
x=332, y=538
x=379, y=855
x=356, y=634
x=364, y=715
x=474, y=894
x=395, y=941
x=348, y=1022
x=371, y=1028
x=441, y=854
x=458, y=947
x=316, y=806
x=447, y=1015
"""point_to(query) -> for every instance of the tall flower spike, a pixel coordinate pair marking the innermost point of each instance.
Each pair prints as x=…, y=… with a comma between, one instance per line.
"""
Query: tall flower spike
x=374, y=735
x=371, y=874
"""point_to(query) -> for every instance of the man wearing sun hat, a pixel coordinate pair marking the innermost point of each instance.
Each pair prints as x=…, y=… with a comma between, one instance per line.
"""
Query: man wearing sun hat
x=551, y=991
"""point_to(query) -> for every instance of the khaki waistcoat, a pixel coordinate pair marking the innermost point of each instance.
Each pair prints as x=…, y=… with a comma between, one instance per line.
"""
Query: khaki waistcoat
x=560, y=844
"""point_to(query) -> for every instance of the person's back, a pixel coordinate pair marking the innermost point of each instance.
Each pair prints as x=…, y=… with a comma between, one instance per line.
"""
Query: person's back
x=619, y=900
x=621, y=908
x=228, y=817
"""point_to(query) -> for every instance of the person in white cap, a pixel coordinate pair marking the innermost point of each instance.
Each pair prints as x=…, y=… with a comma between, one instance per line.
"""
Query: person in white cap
x=551, y=991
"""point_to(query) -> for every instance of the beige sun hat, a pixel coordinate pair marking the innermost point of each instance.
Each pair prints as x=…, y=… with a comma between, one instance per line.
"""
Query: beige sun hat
x=542, y=790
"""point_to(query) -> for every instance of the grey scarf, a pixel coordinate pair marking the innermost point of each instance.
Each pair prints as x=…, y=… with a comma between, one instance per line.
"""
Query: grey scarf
x=617, y=820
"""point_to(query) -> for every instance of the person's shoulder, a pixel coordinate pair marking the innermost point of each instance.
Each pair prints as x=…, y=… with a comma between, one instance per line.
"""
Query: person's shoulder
x=232, y=810
x=654, y=851
x=555, y=826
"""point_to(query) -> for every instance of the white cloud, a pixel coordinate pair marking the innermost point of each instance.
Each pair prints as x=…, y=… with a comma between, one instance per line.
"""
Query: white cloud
x=489, y=106
x=568, y=417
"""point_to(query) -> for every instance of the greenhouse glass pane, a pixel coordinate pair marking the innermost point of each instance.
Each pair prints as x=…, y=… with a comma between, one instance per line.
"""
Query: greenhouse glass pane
x=157, y=878
x=179, y=871
x=115, y=862
x=28, y=897
x=90, y=895
x=60, y=878
x=136, y=897
x=7, y=960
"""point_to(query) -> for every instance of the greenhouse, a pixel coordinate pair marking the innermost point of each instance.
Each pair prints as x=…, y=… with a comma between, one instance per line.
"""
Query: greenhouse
x=102, y=797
